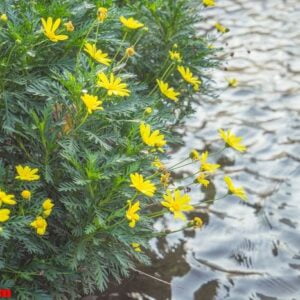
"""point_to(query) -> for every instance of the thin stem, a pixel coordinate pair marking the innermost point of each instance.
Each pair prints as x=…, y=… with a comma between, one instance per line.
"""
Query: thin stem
x=118, y=51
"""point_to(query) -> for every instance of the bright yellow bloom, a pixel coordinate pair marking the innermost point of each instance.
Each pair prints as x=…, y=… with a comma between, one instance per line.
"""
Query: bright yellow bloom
x=197, y=222
x=148, y=110
x=188, y=76
x=113, y=85
x=49, y=29
x=7, y=198
x=169, y=92
x=26, y=194
x=47, y=207
x=26, y=173
x=91, y=102
x=4, y=214
x=177, y=203
x=237, y=191
x=69, y=26
x=165, y=179
x=136, y=247
x=201, y=179
x=130, y=51
x=152, y=139
x=144, y=186
x=174, y=55
x=131, y=213
x=231, y=140
x=97, y=54
x=194, y=155
x=4, y=18
x=131, y=23
x=221, y=28
x=209, y=2
x=233, y=82
x=158, y=164
x=40, y=224
x=205, y=166
x=102, y=14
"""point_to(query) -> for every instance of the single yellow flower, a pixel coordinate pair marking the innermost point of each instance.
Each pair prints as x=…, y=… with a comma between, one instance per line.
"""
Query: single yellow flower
x=158, y=164
x=102, y=14
x=131, y=213
x=233, y=82
x=47, y=207
x=221, y=28
x=232, y=189
x=209, y=2
x=169, y=92
x=231, y=140
x=148, y=110
x=188, y=76
x=144, y=186
x=130, y=51
x=69, y=26
x=174, y=55
x=165, y=179
x=197, y=222
x=113, y=85
x=26, y=173
x=4, y=214
x=49, y=29
x=177, y=203
x=7, y=198
x=201, y=179
x=26, y=194
x=136, y=247
x=194, y=155
x=91, y=102
x=152, y=139
x=4, y=18
x=131, y=23
x=205, y=166
x=40, y=224
x=97, y=54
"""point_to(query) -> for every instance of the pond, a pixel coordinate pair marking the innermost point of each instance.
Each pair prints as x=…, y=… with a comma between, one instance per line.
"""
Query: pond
x=244, y=250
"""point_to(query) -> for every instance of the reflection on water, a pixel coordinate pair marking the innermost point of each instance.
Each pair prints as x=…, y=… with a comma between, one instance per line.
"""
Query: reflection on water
x=244, y=251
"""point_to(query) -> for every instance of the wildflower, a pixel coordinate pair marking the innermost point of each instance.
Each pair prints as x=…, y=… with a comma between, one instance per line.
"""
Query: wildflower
x=4, y=18
x=131, y=23
x=169, y=92
x=188, y=76
x=165, y=179
x=233, y=82
x=40, y=224
x=201, y=179
x=49, y=29
x=205, y=166
x=158, y=164
x=237, y=191
x=231, y=140
x=97, y=54
x=47, y=207
x=197, y=222
x=144, y=186
x=136, y=247
x=148, y=110
x=91, y=102
x=177, y=203
x=113, y=85
x=211, y=46
x=26, y=173
x=7, y=198
x=4, y=214
x=26, y=194
x=194, y=155
x=154, y=139
x=174, y=55
x=221, y=28
x=130, y=51
x=131, y=213
x=208, y=2
x=102, y=14
x=69, y=26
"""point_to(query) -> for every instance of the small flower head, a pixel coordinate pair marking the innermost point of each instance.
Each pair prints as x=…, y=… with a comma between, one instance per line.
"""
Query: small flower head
x=144, y=186
x=165, y=179
x=8, y=199
x=209, y=2
x=131, y=213
x=26, y=194
x=69, y=26
x=221, y=28
x=49, y=29
x=97, y=54
x=113, y=85
x=102, y=14
x=232, y=82
x=148, y=110
x=231, y=140
x=131, y=23
x=4, y=18
x=208, y=167
x=194, y=155
x=175, y=56
x=92, y=103
x=136, y=247
x=47, y=207
x=4, y=215
x=26, y=173
x=169, y=92
x=197, y=222
x=158, y=164
x=152, y=139
x=130, y=51
x=188, y=76
x=201, y=179
x=40, y=224
x=232, y=189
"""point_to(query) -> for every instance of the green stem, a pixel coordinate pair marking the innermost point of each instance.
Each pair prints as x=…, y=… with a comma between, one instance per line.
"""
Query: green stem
x=120, y=47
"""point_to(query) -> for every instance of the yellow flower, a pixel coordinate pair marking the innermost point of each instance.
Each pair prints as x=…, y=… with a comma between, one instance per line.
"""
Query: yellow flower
x=197, y=222
x=4, y=18
x=165, y=179
x=131, y=213
x=4, y=214
x=113, y=85
x=158, y=164
x=26, y=173
x=49, y=29
x=26, y=194
x=7, y=198
x=148, y=110
x=221, y=28
x=136, y=247
x=131, y=23
x=144, y=186
x=154, y=139
x=169, y=92
x=188, y=76
x=69, y=26
x=130, y=51
x=97, y=54
x=177, y=203
x=92, y=103
x=194, y=155
x=102, y=14
x=205, y=166
x=209, y=2
x=237, y=191
x=174, y=55
x=47, y=207
x=201, y=179
x=231, y=140
x=40, y=224
x=233, y=82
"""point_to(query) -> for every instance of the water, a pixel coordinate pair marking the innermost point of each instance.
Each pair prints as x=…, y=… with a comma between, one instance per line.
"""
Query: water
x=244, y=251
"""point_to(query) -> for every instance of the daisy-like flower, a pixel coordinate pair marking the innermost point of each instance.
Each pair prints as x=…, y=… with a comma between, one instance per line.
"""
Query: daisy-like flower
x=4, y=214
x=97, y=54
x=144, y=186
x=131, y=23
x=26, y=194
x=49, y=29
x=209, y=2
x=26, y=173
x=40, y=224
x=221, y=28
x=47, y=207
x=232, y=82
x=232, y=189
x=231, y=140
x=169, y=92
x=7, y=198
x=201, y=179
x=197, y=222
x=136, y=247
x=69, y=26
x=91, y=102
x=102, y=14
x=205, y=166
x=152, y=139
x=188, y=76
x=131, y=213
x=130, y=51
x=174, y=55
x=194, y=155
x=158, y=164
x=177, y=203
x=113, y=85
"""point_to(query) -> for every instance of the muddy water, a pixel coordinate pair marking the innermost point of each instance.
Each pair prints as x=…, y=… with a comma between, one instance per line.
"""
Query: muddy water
x=245, y=250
